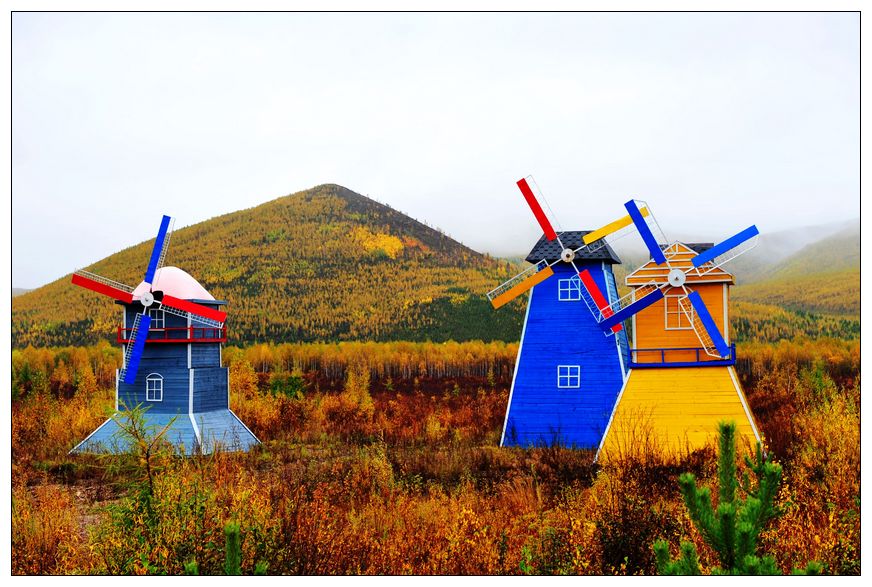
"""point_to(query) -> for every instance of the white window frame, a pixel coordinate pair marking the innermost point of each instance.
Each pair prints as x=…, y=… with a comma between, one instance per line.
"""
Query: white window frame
x=158, y=319
x=568, y=373
x=567, y=291
x=154, y=393
x=682, y=317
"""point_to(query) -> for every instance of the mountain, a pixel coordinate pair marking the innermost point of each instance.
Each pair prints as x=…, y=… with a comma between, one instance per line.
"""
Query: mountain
x=324, y=264
x=791, y=284
x=17, y=291
x=821, y=278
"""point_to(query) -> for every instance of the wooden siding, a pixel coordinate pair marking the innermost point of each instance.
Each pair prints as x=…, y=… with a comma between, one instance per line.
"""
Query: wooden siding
x=210, y=389
x=650, y=325
x=676, y=410
x=109, y=437
x=205, y=355
x=168, y=361
x=622, y=341
x=563, y=333
x=222, y=429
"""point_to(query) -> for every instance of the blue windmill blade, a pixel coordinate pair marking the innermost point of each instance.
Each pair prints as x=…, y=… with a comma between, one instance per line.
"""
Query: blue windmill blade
x=727, y=250
x=159, y=251
x=704, y=325
x=139, y=334
x=654, y=295
x=645, y=232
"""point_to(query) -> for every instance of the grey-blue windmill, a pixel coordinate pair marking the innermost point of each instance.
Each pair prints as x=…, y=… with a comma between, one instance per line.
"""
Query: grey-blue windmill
x=171, y=335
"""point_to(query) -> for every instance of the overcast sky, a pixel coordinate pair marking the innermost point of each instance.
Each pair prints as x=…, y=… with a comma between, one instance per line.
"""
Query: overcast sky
x=717, y=120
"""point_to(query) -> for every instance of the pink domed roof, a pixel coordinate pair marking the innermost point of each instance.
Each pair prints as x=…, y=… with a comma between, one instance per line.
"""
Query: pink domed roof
x=175, y=282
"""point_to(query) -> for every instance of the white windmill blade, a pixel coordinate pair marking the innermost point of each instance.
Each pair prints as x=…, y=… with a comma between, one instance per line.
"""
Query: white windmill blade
x=622, y=228
x=703, y=325
x=192, y=317
x=523, y=281
x=163, y=252
x=726, y=250
x=103, y=280
x=128, y=349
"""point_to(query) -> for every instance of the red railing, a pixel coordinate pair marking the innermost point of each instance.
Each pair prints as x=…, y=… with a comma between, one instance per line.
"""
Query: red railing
x=178, y=334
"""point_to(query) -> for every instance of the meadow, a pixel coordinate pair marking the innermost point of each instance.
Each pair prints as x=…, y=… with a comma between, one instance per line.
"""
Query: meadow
x=384, y=458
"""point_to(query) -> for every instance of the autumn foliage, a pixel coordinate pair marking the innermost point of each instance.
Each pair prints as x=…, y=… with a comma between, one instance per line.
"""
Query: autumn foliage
x=384, y=459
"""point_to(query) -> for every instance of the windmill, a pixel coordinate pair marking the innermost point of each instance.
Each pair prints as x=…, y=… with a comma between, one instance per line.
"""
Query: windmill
x=679, y=384
x=567, y=375
x=690, y=303
x=176, y=332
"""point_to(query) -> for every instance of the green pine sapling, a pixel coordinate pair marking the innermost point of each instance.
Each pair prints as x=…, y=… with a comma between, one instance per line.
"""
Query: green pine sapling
x=733, y=528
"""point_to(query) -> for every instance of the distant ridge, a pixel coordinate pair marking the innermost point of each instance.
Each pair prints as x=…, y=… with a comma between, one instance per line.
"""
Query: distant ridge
x=324, y=264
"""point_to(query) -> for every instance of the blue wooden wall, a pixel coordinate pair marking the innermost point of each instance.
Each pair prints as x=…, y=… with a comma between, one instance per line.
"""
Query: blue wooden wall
x=210, y=389
x=564, y=333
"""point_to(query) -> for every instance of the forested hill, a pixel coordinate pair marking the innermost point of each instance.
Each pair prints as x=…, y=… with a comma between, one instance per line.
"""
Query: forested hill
x=320, y=265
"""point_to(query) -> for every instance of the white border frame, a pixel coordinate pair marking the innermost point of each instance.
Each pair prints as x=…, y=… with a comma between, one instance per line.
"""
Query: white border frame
x=160, y=378
x=569, y=289
x=679, y=313
x=568, y=377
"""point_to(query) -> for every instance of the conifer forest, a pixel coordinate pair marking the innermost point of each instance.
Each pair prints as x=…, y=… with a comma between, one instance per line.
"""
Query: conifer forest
x=384, y=458
x=364, y=356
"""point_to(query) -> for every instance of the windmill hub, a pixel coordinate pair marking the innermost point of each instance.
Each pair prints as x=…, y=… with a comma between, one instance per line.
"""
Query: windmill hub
x=567, y=255
x=147, y=299
x=677, y=278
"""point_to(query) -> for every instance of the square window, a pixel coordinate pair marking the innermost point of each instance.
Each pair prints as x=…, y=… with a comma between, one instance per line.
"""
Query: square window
x=675, y=317
x=568, y=376
x=157, y=318
x=569, y=290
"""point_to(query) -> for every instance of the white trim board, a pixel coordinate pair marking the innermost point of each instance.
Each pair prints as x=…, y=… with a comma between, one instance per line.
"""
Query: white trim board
x=517, y=364
x=72, y=450
x=614, y=410
x=191, y=407
x=744, y=403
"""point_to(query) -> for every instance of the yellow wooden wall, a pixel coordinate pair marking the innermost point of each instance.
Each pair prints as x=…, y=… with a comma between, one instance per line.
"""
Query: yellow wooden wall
x=675, y=411
x=650, y=325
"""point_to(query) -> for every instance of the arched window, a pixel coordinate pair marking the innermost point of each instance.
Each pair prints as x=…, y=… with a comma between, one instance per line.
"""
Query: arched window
x=154, y=388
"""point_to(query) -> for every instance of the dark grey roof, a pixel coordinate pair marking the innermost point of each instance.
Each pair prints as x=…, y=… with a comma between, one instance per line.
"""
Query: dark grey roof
x=695, y=247
x=550, y=250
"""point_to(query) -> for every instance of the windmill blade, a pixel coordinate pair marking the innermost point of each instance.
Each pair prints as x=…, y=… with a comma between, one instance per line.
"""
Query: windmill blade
x=537, y=209
x=520, y=283
x=163, y=253
x=612, y=227
x=704, y=326
x=727, y=250
x=158, y=250
x=199, y=310
x=134, y=353
x=645, y=233
x=186, y=315
x=102, y=285
x=598, y=299
x=651, y=294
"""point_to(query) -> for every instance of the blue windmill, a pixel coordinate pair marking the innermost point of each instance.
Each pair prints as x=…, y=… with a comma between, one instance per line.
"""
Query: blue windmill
x=172, y=335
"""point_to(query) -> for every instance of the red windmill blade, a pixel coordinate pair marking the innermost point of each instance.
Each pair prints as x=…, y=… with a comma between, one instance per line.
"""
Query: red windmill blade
x=541, y=271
